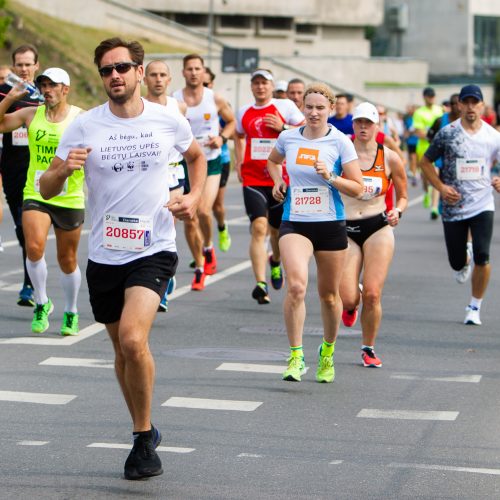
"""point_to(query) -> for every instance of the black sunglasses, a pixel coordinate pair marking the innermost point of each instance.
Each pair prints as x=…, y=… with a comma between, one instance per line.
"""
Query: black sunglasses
x=121, y=68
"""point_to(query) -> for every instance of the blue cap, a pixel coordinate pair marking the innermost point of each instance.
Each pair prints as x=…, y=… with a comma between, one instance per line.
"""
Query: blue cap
x=471, y=91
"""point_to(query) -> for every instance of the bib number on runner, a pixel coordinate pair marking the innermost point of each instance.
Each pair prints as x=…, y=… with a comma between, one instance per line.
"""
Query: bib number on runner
x=127, y=232
x=310, y=200
x=20, y=137
x=260, y=149
x=39, y=173
x=470, y=170
x=372, y=187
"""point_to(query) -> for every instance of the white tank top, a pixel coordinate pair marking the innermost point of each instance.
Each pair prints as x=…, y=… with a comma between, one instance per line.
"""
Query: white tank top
x=175, y=169
x=204, y=120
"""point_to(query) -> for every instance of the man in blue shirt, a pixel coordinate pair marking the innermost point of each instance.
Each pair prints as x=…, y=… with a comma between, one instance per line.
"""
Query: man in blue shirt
x=342, y=120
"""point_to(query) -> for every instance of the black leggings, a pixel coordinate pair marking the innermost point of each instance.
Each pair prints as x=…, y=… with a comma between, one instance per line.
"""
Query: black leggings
x=455, y=235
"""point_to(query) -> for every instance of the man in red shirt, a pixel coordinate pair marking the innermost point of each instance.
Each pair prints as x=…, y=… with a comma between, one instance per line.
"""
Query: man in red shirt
x=258, y=125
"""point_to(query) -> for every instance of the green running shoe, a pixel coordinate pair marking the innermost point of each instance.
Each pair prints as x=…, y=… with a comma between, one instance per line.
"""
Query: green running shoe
x=69, y=324
x=325, y=371
x=276, y=274
x=427, y=201
x=296, y=368
x=224, y=239
x=40, y=321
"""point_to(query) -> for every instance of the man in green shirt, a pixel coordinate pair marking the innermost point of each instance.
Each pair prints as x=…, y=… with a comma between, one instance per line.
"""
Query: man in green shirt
x=423, y=119
x=65, y=212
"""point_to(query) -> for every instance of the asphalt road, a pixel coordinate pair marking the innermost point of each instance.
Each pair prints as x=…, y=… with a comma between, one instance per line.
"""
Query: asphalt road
x=424, y=426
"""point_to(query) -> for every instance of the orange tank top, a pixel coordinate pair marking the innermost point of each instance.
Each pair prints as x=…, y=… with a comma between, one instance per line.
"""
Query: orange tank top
x=375, y=179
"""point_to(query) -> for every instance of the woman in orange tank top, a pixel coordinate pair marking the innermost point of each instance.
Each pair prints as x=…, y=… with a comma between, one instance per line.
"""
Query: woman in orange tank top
x=370, y=230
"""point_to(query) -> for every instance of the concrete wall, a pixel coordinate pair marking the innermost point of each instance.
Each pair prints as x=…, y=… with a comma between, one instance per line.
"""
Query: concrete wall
x=344, y=74
x=101, y=14
x=484, y=7
x=440, y=31
x=337, y=12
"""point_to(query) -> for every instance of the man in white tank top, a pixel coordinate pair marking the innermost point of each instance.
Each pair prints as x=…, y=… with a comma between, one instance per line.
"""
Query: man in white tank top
x=203, y=110
x=157, y=79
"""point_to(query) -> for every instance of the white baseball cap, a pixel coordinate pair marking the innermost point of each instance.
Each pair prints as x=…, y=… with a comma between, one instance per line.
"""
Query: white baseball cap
x=262, y=72
x=366, y=110
x=57, y=75
x=281, y=86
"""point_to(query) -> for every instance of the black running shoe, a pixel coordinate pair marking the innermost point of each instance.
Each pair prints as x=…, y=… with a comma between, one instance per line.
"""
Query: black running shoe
x=143, y=460
x=260, y=294
x=156, y=436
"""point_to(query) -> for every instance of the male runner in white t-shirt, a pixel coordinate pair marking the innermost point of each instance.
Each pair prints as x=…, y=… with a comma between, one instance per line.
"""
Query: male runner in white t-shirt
x=124, y=146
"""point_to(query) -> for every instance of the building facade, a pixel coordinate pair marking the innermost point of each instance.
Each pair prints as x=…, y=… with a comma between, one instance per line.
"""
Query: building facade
x=456, y=37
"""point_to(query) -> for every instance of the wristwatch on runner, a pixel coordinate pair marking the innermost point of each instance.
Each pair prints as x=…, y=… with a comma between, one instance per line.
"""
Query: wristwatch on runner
x=332, y=178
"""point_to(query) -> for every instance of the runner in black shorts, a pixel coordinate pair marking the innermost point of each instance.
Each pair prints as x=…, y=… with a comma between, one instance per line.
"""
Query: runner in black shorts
x=15, y=158
x=218, y=208
x=132, y=250
x=469, y=148
x=369, y=228
x=313, y=223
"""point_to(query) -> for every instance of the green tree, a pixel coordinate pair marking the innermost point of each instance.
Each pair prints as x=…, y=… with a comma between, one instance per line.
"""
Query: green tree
x=5, y=21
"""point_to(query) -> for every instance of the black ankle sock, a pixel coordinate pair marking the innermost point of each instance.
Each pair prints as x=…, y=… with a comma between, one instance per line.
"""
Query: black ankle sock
x=274, y=264
x=144, y=434
x=221, y=228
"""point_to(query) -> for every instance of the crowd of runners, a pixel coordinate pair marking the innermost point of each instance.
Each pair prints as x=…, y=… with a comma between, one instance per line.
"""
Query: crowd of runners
x=322, y=176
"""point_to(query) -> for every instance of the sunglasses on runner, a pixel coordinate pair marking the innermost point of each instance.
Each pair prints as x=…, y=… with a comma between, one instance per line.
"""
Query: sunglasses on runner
x=121, y=68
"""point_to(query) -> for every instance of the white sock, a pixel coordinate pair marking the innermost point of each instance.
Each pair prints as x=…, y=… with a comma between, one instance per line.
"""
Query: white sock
x=70, y=284
x=475, y=302
x=37, y=272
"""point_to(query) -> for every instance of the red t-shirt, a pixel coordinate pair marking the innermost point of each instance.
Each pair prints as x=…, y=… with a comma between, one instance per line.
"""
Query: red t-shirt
x=260, y=138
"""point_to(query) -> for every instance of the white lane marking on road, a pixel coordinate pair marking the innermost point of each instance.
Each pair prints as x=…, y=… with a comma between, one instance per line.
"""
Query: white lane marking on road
x=416, y=201
x=9, y=287
x=119, y=446
x=336, y=462
x=252, y=368
x=476, y=470
x=51, y=236
x=36, y=397
x=239, y=221
x=210, y=280
x=408, y=414
x=32, y=443
x=472, y=379
x=212, y=404
x=79, y=362
x=10, y=273
x=57, y=341
x=249, y=455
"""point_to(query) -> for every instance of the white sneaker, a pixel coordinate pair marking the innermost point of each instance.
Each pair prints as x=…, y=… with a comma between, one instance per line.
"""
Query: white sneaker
x=463, y=275
x=472, y=316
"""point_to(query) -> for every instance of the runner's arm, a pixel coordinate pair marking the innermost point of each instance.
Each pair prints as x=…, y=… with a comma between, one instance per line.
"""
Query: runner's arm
x=398, y=176
x=12, y=121
x=239, y=151
x=449, y=194
x=351, y=183
x=227, y=114
x=275, y=169
x=185, y=208
x=53, y=179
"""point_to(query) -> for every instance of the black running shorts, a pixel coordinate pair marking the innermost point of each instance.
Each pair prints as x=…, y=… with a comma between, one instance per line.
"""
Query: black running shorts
x=67, y=219
x=324, y=236
x=107, y=283
x=259, y=202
